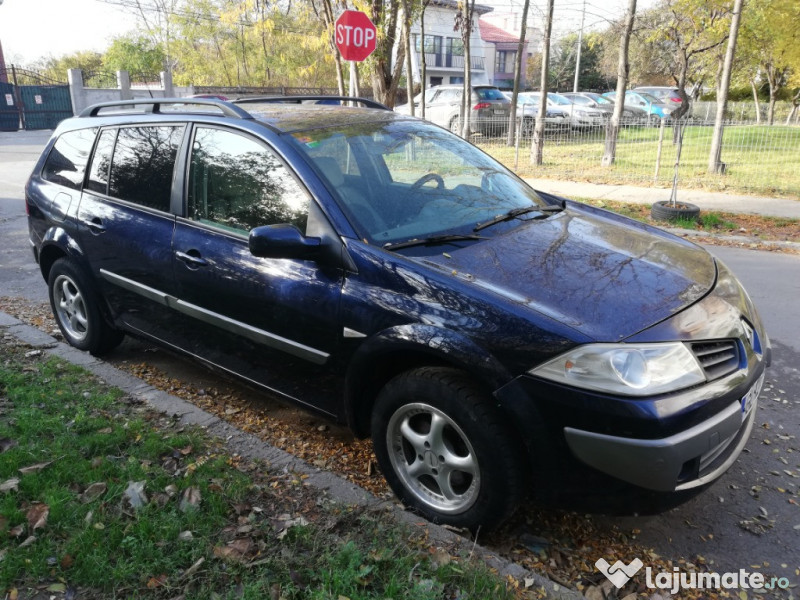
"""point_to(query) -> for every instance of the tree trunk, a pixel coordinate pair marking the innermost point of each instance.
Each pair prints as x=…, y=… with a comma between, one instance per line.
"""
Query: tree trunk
x=468, y=8
x=537, y=150
x=512, y=120
x=423, y=61
x=755, y=100
x=795, y=105
x=715, y=164
x=612, y=130
x=407, y=39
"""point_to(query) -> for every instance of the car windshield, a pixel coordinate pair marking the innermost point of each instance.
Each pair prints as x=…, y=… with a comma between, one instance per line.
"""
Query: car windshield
x=581, y=100
x=558, y=99
x=527, y=99
x=405, y=180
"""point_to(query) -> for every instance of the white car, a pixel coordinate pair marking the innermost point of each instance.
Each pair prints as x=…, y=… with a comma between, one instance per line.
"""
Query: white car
x=556, y=119
x=579, y=115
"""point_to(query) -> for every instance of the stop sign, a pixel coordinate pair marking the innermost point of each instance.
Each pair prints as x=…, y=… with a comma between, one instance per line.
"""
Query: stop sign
x=355, y=35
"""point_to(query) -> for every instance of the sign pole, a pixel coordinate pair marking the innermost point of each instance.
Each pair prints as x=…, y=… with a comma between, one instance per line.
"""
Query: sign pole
x=354, y=91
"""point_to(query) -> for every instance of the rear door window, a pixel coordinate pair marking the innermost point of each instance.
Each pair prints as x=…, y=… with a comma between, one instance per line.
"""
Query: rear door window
x=136, y=164
x=144, y=160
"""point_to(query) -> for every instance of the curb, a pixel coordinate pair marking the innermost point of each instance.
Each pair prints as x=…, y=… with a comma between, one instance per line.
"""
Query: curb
x=251, y=447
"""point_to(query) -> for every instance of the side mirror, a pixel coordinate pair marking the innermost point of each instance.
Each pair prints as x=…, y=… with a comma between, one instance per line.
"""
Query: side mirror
x=282, y=241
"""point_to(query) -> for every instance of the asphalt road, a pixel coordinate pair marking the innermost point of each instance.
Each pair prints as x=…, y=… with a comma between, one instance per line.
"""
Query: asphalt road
x=750, y=516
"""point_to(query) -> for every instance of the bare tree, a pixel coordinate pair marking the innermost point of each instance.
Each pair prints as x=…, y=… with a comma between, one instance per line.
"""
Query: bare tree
x=328, y=16
x=512, y=120
x=464, y=23
x=423, y=62
x=537, y=150
x=407, y=18
x=715, y=164
x=623, y=67
x=157, y=17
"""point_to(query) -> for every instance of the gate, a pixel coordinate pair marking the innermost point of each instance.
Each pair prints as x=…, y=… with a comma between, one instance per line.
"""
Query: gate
x=32, y=101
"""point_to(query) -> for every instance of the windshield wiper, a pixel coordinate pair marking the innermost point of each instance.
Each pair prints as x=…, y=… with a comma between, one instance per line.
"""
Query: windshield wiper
x=434, y=239
x=517, y=212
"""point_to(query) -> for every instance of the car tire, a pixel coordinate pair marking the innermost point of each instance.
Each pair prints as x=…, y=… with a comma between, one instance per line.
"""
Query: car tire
x=663, y=210
x=528, y=125
x=455, y=125
x=76, y=308
x=445, y=451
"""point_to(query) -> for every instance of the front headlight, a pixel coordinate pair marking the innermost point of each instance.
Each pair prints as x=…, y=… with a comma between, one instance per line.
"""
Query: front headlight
x=626, y=369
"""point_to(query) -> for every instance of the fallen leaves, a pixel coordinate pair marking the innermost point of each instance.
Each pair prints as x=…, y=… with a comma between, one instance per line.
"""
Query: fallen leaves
x=35, y=468
x=134, y=494
x=10, y=485
x=190, y=499
x=93, y=492
x=37, y=516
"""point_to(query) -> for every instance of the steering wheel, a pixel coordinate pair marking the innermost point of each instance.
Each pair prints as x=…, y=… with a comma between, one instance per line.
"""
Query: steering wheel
x=425, y=179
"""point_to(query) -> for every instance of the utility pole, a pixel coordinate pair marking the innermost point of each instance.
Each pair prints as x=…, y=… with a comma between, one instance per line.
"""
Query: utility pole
x=580, y=46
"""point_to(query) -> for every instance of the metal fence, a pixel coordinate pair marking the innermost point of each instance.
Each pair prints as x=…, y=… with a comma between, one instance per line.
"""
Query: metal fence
x=758, y=159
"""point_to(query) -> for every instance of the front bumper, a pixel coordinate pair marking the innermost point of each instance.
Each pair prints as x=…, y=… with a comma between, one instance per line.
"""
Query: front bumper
x=685, y=460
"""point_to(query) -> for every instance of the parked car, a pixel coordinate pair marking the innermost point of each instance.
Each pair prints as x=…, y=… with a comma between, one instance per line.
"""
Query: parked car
x=597, y=101
x=489, y=108
x=644, y=106
x=665, y=94
x=580, y=115
x=387, y=274
x=556, y=119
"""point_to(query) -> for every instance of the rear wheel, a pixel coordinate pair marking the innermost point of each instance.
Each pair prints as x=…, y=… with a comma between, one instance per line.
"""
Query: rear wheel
x=455, y=125
x=76, y=308
x=445, y=451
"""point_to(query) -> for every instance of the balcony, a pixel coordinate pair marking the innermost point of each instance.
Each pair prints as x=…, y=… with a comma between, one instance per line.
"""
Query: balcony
x=451, y=61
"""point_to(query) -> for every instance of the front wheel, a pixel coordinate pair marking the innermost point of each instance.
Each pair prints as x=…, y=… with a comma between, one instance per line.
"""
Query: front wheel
x=445, y=451
x=77, y=311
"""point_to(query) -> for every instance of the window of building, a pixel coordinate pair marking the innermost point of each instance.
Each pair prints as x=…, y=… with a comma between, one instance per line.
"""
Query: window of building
x=504, y=61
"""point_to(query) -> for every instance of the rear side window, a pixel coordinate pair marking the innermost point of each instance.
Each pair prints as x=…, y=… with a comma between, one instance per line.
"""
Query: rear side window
x=66, y=163
x=136, y=164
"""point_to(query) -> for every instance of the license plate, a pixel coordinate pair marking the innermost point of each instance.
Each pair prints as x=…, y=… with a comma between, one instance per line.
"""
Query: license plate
x=499, y=111
x=750, y=398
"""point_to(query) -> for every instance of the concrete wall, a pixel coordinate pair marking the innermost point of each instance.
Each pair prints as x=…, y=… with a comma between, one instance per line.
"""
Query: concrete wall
x=83, y=96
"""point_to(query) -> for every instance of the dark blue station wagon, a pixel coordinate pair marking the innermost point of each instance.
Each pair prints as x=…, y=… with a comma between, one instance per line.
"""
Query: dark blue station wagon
x=385, y=273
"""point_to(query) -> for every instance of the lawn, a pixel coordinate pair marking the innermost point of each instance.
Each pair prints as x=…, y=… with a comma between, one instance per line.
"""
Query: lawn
x=760, y=160
x=101, y=497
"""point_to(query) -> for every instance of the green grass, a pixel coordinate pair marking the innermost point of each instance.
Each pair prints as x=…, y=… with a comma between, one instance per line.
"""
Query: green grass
x=51, y=412
x=760, y=159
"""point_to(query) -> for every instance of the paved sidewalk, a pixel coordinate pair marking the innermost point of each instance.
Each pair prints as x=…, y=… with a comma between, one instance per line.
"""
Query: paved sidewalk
x=718, y=201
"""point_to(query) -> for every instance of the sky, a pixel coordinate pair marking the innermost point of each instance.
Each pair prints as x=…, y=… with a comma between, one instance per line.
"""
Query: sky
x=32, y=29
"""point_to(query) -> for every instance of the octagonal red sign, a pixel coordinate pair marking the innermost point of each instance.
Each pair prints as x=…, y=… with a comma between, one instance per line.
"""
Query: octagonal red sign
x=355, y=35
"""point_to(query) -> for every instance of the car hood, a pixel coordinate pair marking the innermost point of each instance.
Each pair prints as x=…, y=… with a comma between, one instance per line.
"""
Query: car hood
x=602, y=275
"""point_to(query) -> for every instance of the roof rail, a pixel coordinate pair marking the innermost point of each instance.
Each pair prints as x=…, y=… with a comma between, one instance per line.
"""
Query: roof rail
x=367, y=102
x=153, y=105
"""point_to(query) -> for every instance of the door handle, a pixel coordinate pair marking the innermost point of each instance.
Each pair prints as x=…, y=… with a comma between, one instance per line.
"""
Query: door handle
x=191, y=259
x=95, y=225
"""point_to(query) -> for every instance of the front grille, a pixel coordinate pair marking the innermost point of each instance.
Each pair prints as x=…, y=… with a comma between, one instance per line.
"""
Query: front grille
x=717, y=358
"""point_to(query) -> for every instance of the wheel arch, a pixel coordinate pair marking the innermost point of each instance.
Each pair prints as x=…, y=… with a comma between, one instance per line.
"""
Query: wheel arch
x=57, y=243
x=406, y=347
